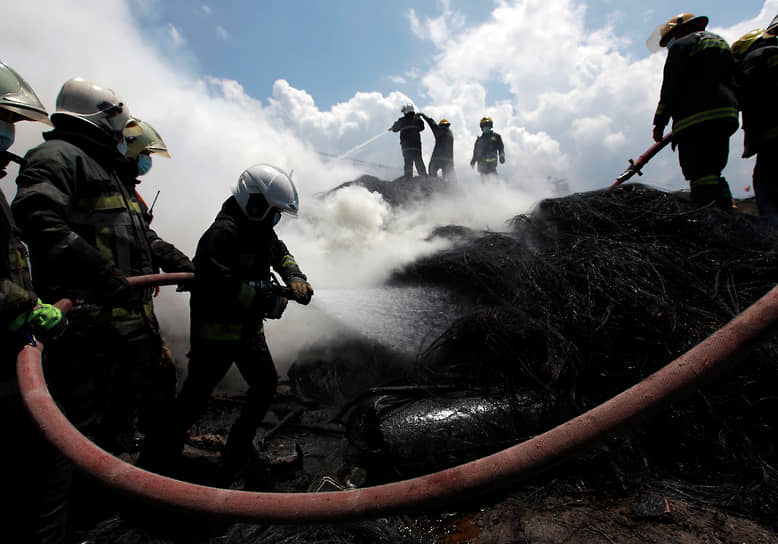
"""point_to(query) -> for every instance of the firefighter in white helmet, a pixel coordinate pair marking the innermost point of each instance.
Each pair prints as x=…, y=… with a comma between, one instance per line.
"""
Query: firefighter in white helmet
x=410, y=126
x=232, y=295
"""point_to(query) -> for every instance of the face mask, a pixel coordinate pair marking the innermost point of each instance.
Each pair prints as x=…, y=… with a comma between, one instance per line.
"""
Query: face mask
x=276, y=218
x=487, y=130
x=670, y=42
x=144, y=164
x=122, y=146
x=7, y=132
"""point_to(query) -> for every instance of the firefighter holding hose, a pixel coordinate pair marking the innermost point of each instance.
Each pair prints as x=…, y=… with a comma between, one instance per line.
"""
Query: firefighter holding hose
x=697, y=94
x=231, y=297
x=86, y=235
x=35, y=474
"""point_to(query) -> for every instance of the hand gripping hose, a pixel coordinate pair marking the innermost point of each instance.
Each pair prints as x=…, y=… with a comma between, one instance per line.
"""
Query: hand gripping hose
x=500, y=470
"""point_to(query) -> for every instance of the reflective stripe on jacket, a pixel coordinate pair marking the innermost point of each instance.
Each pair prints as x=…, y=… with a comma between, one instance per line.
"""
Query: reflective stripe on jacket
x=697, y=83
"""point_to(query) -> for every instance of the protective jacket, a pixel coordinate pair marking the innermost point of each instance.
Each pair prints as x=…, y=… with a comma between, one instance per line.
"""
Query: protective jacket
x=409, y=126
x=85, y=232
x=165, y=255
x=697, y=84
x=756, y=85
x=232, y=255
x=16, y=291
x=444, y=141
x=487, y=150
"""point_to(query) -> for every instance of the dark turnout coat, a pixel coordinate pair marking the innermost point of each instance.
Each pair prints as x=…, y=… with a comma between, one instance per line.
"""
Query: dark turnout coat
x=85, y=229
x=697, y=84
x=231, y=254
x=409, y=126
x=756, y=85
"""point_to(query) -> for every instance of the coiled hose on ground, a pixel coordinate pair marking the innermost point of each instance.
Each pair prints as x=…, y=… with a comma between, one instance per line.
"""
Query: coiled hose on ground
x=500, y=470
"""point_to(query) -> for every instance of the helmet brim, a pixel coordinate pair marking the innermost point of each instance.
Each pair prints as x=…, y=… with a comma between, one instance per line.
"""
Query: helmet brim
x=28, y=114
x=693, y=25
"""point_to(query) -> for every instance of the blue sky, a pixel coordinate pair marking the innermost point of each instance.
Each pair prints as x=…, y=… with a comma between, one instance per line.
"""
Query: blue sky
x=335, y=48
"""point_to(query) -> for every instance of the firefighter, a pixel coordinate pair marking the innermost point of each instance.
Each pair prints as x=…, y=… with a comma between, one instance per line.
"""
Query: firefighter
x=697, y=94
x=36, y=475
x=139, y=151
x=756, y=85
x=86, y=235
x=410, y=126
x=228, y=307
x=161, y=387
x=488, y=149
x=443, y=154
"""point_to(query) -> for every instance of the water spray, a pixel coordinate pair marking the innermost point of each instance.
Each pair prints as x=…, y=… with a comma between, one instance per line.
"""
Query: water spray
x=360, y=146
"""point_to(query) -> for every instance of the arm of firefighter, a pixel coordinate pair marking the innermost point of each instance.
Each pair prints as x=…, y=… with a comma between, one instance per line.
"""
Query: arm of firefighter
x=42, y=195
x=284, y=263
x=15, y=301
x=500, y=149
x=674, y=66
x=167, y=256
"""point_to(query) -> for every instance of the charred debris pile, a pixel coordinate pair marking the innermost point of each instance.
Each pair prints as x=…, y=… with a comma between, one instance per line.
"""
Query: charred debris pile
x=573, y=303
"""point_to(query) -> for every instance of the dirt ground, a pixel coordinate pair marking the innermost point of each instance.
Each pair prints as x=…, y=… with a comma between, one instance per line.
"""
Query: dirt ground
x=303, y=450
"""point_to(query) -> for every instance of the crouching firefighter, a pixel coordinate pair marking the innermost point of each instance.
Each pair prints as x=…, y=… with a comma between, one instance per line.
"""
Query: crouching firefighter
x=231, y=296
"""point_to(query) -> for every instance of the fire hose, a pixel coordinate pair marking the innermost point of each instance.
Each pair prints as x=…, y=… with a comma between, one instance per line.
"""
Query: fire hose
x=498, y=471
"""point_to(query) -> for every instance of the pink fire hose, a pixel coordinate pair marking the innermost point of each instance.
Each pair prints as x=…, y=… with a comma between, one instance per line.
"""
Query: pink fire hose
x=712, y=356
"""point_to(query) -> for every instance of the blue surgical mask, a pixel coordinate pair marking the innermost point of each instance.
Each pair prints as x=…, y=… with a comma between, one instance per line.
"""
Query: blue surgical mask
x=7, y=132
x=144, y=164
x=670, y=42
x=487, y=130
x=122, y=146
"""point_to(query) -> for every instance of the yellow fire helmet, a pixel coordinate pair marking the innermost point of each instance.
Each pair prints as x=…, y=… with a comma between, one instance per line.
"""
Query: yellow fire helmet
x=149, y=140
x=744, y=43
x=665, y=32
x=444, y=122
x=487, y=122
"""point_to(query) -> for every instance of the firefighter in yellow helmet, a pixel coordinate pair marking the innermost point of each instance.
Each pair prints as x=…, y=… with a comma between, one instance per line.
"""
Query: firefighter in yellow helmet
x=488, y=149
x=756, y=85
x=443, y=154
x=697, y=95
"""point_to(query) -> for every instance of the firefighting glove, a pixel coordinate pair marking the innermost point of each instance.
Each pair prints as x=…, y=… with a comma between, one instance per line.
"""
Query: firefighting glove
x=46, y=319
x=659, y=134
x=502, y=160
x=472, y=163
x=302, y=290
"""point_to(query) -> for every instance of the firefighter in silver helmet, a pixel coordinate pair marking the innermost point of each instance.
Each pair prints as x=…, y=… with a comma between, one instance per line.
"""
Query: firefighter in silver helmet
x=86, y=236
x=35, y=474
x=231, y=297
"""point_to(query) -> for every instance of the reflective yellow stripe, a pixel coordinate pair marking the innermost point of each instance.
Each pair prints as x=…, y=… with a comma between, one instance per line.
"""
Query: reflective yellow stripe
x=103, y=241
x=705, y=180
x=288, y=260
x=708, y=43
x=704, y=116
x=246, y=295
x=123, y=313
